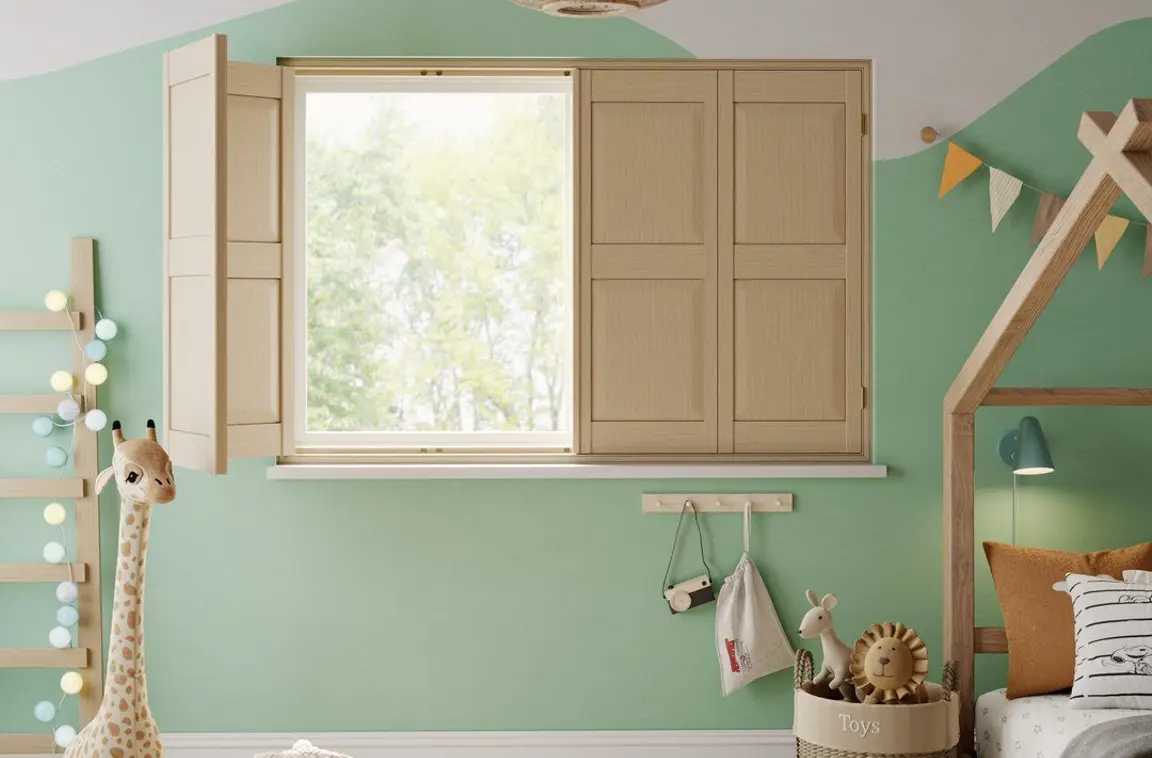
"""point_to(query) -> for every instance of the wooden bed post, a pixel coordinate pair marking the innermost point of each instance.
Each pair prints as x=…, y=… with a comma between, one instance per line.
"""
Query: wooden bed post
x=1120, y=146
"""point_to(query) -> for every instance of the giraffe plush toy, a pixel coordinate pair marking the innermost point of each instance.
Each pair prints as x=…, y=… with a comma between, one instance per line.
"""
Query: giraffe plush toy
x=123, y=727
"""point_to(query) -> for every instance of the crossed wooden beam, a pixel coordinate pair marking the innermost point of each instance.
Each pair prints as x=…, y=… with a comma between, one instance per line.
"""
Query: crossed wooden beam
x=1121, y=148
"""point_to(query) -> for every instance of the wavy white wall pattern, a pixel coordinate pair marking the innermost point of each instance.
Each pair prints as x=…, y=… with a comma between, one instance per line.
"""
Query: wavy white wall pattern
x=939, y=63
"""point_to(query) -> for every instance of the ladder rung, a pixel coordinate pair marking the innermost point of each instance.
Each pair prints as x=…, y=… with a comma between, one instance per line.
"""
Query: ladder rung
x=29, y=403
x=38, y=321
x=27, y=744
x=42, y=573
x=36, y=488
x=43, y=658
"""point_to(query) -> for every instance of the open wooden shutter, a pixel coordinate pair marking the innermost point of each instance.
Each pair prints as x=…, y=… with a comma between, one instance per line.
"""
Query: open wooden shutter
x=227, y=151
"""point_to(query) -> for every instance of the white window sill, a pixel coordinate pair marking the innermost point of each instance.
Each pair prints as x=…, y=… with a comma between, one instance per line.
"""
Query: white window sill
x=309, y=471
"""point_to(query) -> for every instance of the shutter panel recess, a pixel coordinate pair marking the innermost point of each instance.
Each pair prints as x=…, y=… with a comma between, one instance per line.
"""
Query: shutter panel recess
x=227, y=252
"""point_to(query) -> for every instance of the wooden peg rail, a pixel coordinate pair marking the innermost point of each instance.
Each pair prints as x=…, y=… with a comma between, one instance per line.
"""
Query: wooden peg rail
x=761, y=503
x=87, y=656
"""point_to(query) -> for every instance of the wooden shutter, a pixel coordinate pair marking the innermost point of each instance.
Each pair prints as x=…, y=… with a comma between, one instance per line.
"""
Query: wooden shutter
x=790, y=262
x=227, y=255
x=648, y=262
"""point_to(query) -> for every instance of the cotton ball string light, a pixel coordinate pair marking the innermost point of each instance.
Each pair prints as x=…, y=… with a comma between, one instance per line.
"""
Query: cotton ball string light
x=68, y=409
x=71, y=683
x=96, y=420
x=56, y=456
x=64, y=735
x=55, y=301
x=55, y=514
x=67, y=592
x=62, y=381
x=42, y=426
x=68, y=616
x=60, y=638
x=44, y=712
x=106, y=329
x=54, y=552
x=96, y=373
x=96, y=350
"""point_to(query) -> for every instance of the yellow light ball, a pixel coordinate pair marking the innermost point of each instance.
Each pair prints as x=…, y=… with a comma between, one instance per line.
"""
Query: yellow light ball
x=55, y=514
x=62, y=381
x=96, y=373
x=71, y=683
x=56, y=301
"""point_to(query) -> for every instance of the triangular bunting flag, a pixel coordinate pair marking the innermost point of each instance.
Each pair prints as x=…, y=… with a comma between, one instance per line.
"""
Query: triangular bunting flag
x=1003, y=189
x=958, y=166
x=1050, y=205
x=1109, y=233
x=1147, y=253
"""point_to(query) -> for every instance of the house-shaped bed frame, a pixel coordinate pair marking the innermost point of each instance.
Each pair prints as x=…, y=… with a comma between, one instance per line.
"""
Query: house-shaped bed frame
x=1121, y=148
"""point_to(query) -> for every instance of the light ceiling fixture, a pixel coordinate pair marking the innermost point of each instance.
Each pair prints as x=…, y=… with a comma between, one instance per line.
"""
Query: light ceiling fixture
x=588, y=8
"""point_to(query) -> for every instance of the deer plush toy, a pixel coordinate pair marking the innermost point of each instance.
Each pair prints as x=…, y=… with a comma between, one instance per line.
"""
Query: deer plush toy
x=837, y=655
x=123, y=727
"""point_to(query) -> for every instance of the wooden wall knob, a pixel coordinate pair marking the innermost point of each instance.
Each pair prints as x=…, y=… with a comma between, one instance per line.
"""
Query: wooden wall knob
x=929, y=135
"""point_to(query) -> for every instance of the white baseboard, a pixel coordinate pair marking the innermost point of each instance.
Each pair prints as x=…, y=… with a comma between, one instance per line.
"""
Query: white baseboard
x=648, y=744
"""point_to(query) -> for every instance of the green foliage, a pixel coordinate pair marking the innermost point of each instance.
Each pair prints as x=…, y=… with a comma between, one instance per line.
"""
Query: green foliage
x=438, y=284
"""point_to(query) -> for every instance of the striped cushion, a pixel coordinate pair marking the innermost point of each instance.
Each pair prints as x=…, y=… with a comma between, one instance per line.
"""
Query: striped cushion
x=1113, y=643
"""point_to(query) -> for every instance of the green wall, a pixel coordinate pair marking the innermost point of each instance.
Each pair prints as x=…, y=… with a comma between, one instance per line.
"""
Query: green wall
x=450, y=605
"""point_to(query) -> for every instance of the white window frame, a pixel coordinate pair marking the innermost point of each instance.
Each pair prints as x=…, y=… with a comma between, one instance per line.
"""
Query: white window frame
x=562, y=442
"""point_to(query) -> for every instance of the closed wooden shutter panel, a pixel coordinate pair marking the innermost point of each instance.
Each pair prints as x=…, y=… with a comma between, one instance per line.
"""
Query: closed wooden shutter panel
x=227, y=255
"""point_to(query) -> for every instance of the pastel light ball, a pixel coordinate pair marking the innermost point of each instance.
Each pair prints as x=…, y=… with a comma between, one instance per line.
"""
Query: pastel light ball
x=71, y=683
x=67, y=592
x=62, y=381
x=55, y=301
x=106, y=329
x=56, y=456
x=96, y=373
x=67, y=616
x=64, y=735
x=42, y=426
x=60, y=638
x=54, y=514
x=96, y=350
x=44, y=712
x=54, y=552
x=96, y=420
x=68, y=409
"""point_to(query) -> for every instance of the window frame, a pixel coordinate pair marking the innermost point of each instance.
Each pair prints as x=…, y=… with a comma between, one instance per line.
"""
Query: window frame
x=389, y=444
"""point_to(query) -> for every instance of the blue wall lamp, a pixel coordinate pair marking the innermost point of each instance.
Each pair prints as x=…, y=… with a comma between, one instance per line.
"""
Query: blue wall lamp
x=1025, y=449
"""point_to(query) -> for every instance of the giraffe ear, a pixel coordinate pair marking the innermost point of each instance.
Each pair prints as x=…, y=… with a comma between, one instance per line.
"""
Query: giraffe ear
x=103, y=478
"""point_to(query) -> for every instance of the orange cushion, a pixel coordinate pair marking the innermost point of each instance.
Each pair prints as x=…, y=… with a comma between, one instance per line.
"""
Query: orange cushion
x=1037, y=619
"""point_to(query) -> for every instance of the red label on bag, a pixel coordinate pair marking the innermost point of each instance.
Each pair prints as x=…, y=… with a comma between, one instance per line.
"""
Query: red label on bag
x=732, y=662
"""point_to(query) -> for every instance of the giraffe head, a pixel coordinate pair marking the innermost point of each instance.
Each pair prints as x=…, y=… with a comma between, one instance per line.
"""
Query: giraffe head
x=141, y=467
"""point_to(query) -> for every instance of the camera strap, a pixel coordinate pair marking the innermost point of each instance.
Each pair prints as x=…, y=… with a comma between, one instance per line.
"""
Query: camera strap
x=676, y=539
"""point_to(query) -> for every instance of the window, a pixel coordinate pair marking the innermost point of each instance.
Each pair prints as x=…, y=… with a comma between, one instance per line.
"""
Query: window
x=434, y=242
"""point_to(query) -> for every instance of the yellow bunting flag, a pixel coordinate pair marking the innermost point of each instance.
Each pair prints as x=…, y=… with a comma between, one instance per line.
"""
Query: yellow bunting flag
x=1109, y=233
x=1147, y=253
x=958, y=166
x=1050, y=205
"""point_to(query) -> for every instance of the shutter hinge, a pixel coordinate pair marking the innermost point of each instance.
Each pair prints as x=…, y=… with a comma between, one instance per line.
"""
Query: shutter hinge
x=863, y=123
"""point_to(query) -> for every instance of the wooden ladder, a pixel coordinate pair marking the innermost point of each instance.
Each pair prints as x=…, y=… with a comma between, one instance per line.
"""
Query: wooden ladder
x=87, y=656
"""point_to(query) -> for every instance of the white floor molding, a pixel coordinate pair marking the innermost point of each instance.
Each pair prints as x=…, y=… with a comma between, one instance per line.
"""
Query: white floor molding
x=652, y=744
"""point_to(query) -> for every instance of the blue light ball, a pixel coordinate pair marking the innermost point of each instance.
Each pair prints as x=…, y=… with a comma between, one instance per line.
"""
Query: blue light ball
x=42, y=426
x=106, y=329
x=44, y=712
x=96, y=420
x=67, y=616
x=96, y=350
x=56, y=456
x=64, y=735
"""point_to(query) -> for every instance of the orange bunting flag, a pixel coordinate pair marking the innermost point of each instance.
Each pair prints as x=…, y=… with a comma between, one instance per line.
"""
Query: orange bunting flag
x=1050, y=205
x=1109, y=233
x=958, y=166
x=1147, y=254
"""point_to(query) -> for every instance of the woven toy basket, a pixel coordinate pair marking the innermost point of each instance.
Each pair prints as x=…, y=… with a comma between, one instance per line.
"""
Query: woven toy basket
x=836, y=729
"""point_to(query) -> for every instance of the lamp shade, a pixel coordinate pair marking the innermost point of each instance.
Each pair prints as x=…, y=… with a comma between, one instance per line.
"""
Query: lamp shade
x=1025, y=449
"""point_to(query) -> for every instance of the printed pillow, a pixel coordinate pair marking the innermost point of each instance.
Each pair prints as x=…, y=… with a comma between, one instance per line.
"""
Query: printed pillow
x=1038, y=621
x=1113, y=643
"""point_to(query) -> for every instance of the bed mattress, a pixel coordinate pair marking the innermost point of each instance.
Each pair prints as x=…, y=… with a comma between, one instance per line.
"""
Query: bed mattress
x=1032, y=727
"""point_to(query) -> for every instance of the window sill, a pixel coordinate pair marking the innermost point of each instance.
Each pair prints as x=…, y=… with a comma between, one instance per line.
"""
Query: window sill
x=319, y=471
